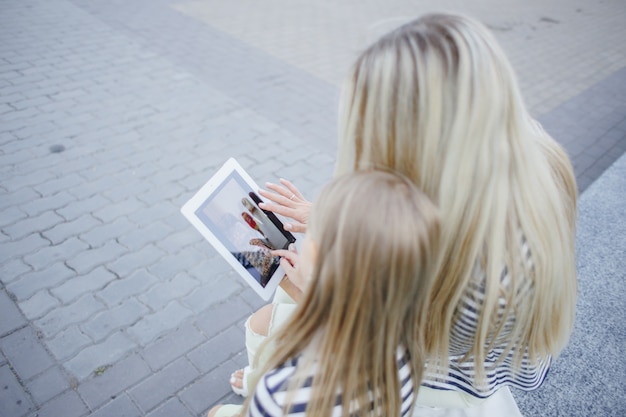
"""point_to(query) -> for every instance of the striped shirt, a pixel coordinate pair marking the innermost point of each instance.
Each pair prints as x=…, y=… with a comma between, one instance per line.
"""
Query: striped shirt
x=461, y=374
x=271, y=393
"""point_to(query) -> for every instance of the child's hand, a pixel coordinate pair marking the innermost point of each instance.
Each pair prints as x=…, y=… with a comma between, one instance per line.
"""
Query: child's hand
x=287, y=201
x=289, y=262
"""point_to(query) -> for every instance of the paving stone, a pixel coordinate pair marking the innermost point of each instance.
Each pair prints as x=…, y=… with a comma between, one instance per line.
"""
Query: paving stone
x=172, y=346
x=39, y=304
x=55, y=253
x=217, y=350
x=82, y=284
x=155, y=212
x=212, y=268
x=98, y=355
x=163, y=384
x=19, y=248
x=92, y=258
x=67, y=404
x=136, y=238
x=78, y=208
x=28, y=284
x=14, y=401
x=68, y=342
x=11, y=317
x=18, y=197
x=179, y=240
x=128, y=263
x=54, y=186
x=11, y=215
x=43, y=204
x=222, y=316
x=48, y=385
x=153, y=325
x=121, y=406
x=12, y=269
x=118, y=317
x=208, y=390
x=127, y=286
x=172, y=407
x=173, y=264
x=161, y=294
x=123, y=208
x=71, y=229
x=114, y=380
x=108, y=231
x=25, y=227
x=25, y=353
x=65, y=316
x=213, y=293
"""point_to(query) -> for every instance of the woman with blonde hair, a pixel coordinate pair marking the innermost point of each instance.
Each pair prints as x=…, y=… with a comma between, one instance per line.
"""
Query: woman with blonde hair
x=437, y=101
x=353, y=345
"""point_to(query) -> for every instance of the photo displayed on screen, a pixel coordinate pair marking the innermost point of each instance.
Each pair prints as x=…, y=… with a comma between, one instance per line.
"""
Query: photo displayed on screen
x=231, y=213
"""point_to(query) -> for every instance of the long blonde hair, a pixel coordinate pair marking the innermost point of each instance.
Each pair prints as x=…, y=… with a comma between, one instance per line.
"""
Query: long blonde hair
x=437, y=101
x=376, y=238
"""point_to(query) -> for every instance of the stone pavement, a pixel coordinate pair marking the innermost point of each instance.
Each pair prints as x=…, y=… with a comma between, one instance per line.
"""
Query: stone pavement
x=113, y=113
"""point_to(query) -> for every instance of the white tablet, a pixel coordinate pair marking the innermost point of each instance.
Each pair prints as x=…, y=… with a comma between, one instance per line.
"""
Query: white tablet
x=225, y=210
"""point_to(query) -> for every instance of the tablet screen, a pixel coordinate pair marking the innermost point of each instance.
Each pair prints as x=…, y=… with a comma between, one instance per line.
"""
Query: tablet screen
x=231, y=213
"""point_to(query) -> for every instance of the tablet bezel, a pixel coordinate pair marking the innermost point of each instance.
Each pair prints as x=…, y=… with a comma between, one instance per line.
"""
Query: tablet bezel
x=190, y=208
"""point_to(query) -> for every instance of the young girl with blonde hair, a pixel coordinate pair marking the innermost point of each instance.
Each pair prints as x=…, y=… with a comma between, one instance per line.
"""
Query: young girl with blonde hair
x=354, y=345
x=437, y=101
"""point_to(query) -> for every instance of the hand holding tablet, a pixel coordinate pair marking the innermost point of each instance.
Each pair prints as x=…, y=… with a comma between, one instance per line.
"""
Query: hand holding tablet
x=226, y=212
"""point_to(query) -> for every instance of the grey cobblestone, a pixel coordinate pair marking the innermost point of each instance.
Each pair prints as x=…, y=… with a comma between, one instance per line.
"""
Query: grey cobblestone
x=169, y=266
x=17, y=198
x=118, y=317
x=92, y=258
x=78, y=208
x=108, y=231
x=28, y=284
x=48, y=385
x=153, y=325
x=100, y=354
x=58, y=184
x=172, y=407
x=54, y=202
x=11, y=215
x=20, y=181
x=209, y=294
x=124, y=208
x=15, y=402
x=179, y=240
x=155, y=212
x=161, y=294
x=11, y=317
x=143, y=258
x=217, y=350
x=68, y=342
x=127, y=286
x=68, y=404
x=64, y=316
x=17, y=248
x=56, y=253
x=163, y=384
x=139, y=237
x=120, y=406
x=82, y=284
x=38, y=305
x=209, y=389
x=70, y=229
x=25, y=354
x=172, y=346
x=11, y=270
x=114, y=380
